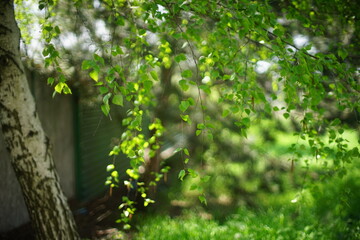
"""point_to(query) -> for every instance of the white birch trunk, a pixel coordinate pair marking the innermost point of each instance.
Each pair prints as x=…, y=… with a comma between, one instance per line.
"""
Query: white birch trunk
x=26, y=142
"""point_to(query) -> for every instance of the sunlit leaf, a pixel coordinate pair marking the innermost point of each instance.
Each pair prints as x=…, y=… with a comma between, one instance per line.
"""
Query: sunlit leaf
x=94, y=75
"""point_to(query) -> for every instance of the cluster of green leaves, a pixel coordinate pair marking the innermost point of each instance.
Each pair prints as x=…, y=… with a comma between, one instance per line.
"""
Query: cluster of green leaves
x=131, y=89
x=197, y=179
x=49, y=32
x=25, y=18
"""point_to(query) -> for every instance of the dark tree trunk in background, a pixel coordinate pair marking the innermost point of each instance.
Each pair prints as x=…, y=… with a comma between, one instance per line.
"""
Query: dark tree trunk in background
x=152, y=165
x=26, y=142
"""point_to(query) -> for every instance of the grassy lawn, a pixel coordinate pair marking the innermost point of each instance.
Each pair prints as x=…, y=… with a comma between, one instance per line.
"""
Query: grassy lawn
x=285, y=223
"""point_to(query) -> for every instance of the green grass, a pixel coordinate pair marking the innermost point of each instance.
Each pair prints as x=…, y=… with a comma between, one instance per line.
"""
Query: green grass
x=244, y=224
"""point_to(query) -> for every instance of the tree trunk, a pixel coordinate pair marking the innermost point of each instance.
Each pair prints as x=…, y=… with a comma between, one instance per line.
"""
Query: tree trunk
x=26, y=142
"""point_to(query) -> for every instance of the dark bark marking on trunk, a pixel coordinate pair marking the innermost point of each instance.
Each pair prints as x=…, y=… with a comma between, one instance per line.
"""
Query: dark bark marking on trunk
x=22, y=156
x=4, y=28
x=5, y=2
x=7, y=52
x=6, y=59
x=14, y=120
x=16, y=142
x=32, y=133
x=43, y=181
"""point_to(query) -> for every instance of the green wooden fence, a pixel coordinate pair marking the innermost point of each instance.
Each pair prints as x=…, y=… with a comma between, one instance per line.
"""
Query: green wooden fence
x=95, y=134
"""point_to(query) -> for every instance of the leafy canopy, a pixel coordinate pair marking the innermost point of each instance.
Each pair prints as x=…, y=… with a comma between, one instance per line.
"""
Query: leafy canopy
x=211, y=54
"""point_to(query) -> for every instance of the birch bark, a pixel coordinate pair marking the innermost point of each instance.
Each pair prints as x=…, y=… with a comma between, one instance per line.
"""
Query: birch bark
x=26, y=142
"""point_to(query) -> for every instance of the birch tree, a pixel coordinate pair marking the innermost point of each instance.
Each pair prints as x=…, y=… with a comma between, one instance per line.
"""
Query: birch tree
x=29, y=148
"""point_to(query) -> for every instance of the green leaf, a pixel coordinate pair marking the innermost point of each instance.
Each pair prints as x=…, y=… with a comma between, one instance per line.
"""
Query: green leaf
x=342, y=53
x=110, y=167
x=191, y=101
x=86, y=64
x=115, y=174
x=154, y=75
x=105, y=108
x=115, y=151
x=50, y=81
x=246, y=121
x=186, y=118
x=57, y=29
x=118, y=100
x=99, y=59
x=198, y=132
x=234, y=109
x=184, y=105
x=116, y=51
x=286, y=115
x=192, y=83
x=127, y=226
x=210, y=136
x=203, y=199
x=186, y=74
x=193, y=173
x=142, y=31
x=178, y=150
x=48, y=28
x=181, y=174
x=103, y=90
x=186, y=151
x=94, y=75
x=59, y=87
x=225, y=113
x=205, y=178
x=148, y=85
x=106, y=98
x=205, y=88
x=180, y=57
x=120, y=20
x=66, y=89
x=335, y=122
x=183, y=84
